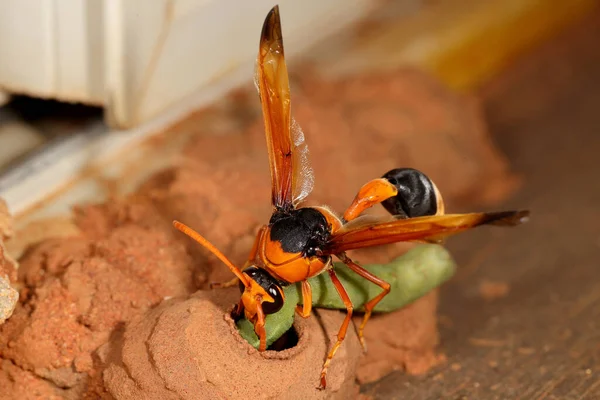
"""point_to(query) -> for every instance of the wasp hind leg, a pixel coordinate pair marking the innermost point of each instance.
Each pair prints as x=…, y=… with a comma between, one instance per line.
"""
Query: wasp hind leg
x=343, y=329
x=370, y=305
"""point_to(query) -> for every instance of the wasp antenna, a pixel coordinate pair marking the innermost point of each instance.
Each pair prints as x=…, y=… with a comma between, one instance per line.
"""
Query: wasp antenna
x=210, y=247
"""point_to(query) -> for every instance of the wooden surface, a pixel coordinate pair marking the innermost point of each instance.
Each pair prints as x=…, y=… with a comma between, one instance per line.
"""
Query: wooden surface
x=542, y=339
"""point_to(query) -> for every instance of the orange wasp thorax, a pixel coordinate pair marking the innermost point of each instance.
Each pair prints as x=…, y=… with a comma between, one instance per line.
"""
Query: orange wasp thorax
x=290, y=246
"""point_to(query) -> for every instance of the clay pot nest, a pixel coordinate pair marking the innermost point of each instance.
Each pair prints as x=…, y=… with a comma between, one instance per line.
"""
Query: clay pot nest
x=190, y=349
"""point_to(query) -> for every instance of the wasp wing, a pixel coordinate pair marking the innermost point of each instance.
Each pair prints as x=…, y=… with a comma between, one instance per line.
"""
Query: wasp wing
x=430, y=229
x=303, y=178
x=291, y=177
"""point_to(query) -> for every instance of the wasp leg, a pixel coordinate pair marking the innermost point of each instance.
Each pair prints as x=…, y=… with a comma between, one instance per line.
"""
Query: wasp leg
x=254, y=250
x=259, y=325
x=373, y=192
x=306, y=308
x=371, y=303
x=342, y=332
x=239, y=309
x=222, y=285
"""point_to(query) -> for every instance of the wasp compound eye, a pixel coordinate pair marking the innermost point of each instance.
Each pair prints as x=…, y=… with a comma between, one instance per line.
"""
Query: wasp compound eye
x=416, y=194
x=270, y=287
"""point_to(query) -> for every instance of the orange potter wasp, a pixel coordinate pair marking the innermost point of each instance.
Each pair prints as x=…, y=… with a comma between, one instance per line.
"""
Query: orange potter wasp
x=299, y=242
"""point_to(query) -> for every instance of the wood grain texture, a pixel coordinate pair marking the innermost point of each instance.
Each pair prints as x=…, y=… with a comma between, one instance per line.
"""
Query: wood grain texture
x=541, y=338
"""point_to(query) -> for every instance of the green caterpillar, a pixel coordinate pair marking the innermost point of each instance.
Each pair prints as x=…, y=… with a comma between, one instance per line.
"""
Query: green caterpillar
x=411, y=276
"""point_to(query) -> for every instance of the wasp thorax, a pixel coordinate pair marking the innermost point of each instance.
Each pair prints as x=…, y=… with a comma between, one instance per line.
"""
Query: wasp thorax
x=417, y=195
x=269, y=284
x=302, y=231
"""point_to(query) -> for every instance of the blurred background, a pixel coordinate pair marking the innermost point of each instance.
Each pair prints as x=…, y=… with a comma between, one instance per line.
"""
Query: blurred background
x=83, y=85
x=72, y=72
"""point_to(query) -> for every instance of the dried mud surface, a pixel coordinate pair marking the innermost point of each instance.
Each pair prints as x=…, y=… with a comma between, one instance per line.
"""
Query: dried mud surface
x=89, y=301
x=176, y=350
x=8, y=267
x=404, y=340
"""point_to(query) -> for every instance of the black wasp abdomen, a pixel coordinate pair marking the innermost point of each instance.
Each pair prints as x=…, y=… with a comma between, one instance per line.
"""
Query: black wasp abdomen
x=416, y=194
x=300, y=231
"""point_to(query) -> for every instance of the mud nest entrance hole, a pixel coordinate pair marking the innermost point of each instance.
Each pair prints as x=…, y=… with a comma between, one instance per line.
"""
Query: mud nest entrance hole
x=287, y=341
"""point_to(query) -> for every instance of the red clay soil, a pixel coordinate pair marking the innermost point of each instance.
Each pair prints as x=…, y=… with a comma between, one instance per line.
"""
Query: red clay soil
x=404, y=340
x=88, y=326
x=212, y=361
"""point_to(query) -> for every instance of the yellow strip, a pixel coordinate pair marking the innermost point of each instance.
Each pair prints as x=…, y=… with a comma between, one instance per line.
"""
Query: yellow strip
x=490, y=37
x=463, y=42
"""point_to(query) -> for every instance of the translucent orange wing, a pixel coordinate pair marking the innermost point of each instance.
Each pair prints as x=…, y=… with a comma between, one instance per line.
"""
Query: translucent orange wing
x=290, y=175
x=431, y=229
